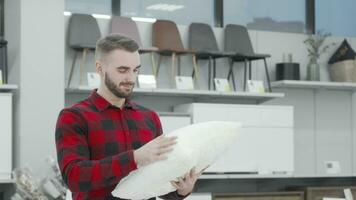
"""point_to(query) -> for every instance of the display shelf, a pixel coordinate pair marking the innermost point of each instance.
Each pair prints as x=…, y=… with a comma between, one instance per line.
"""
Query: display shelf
x=261, y=97
x=8, y=87
x=5, y=181
x=269, y=176
x=315, y=85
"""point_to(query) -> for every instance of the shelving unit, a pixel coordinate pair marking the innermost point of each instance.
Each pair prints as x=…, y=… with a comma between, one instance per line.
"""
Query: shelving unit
x=6, y=121
x=315, y=85
x=260, y=97
x=8, y=87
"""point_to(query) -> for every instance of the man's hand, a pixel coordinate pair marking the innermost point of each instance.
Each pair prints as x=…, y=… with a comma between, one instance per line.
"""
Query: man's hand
x=154, y=151
x=186, y=184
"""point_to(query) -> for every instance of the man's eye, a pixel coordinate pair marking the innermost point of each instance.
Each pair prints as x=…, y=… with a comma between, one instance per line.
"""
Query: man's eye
x=122, y=70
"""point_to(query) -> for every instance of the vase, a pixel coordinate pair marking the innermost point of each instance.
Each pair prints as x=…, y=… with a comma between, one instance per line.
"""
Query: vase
x=313, y=71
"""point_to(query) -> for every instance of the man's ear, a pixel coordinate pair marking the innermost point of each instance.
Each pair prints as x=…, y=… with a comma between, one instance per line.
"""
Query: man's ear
x=99, y=68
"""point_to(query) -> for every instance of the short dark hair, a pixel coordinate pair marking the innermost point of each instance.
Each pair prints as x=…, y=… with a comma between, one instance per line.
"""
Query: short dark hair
x=112, y=42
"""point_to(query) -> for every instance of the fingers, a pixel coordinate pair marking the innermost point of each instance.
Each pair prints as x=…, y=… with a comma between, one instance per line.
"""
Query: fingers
x=192, y=172
x=175, y=185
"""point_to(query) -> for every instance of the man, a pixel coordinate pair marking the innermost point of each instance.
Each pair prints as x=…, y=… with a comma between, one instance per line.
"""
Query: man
x=103, y=138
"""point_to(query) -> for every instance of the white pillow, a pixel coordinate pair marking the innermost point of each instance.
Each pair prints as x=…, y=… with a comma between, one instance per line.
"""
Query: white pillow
x=198, y=145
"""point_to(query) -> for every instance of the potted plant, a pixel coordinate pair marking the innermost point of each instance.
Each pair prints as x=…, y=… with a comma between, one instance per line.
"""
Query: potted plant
x=315, y=46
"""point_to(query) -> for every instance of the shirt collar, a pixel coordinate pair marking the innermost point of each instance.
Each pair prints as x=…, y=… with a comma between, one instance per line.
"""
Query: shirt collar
x=102, y=104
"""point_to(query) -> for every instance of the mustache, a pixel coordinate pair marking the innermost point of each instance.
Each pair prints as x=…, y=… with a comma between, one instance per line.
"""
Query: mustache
x=127, y=83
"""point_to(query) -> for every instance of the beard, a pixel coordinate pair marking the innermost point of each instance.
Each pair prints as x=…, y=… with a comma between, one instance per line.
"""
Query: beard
x=115, y=89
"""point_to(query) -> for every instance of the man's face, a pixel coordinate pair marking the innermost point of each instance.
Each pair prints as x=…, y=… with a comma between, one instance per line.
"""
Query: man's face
x=119, y=72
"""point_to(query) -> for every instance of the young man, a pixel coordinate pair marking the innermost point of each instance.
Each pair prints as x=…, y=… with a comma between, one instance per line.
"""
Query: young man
x=101, y=139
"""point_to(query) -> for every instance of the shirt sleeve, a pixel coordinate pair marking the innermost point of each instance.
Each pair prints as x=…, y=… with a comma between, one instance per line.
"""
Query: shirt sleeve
x=172, y=195
x=79, y=172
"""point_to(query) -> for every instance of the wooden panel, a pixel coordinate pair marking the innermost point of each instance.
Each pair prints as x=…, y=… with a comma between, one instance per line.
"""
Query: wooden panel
x=318, y=193
x=260, y=196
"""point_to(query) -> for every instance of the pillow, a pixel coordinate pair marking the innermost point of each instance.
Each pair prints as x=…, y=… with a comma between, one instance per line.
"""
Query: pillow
x=198, y=145
x=344, y=52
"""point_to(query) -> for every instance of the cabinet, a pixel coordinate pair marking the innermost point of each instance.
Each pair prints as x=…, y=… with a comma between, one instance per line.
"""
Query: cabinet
x=5, y=135
x=324, y=125
x=265, y=145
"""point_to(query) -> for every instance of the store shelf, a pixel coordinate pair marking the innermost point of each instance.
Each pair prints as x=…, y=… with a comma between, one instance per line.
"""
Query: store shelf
x=270, y=176
x=8, y=87
x=317, y=85
x=6, y=181
x=261, y=97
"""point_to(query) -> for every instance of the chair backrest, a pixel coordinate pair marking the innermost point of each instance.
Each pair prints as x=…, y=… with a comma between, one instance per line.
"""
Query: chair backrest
x=125, y=26
x=165, y=36
x=83, y=31
x=237, y=39
x=202, y=38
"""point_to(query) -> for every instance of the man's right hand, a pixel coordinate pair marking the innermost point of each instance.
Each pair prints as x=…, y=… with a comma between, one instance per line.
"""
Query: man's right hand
x=154, y=151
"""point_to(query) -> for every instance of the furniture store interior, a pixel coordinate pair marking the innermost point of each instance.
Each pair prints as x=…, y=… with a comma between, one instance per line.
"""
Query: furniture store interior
x=177, y=99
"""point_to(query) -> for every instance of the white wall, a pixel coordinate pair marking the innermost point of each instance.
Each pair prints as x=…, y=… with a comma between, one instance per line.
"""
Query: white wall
x=35, y=31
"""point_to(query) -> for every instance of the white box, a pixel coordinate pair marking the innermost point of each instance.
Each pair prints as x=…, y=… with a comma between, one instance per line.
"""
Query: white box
x=5, y=135
x=266, y=142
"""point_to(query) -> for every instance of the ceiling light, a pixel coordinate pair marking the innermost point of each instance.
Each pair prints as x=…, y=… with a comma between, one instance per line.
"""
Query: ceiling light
x=144, y=19
x=99, y=16
x=164, y=7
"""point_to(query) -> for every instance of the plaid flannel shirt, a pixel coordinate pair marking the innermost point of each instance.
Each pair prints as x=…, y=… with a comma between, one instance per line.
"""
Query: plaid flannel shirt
x=95, y=142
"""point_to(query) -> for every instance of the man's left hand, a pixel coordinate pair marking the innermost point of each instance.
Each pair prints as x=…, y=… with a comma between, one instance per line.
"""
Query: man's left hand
x=185, y=184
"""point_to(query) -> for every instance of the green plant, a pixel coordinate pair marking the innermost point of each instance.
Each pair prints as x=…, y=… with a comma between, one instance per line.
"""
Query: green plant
x=315, y=46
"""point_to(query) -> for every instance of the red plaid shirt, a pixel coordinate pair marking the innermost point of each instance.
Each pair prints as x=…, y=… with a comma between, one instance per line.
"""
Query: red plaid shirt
x=95, y=142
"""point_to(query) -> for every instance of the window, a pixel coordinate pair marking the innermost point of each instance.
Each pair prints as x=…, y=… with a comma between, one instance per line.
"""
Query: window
x=271, y=15
x=102, y=7
x=336, y=17
x=180, y=11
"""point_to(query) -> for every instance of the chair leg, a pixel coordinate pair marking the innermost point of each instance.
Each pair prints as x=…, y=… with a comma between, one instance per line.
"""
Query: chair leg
x=249, y=70
x=72, y=68
x=154, y=67
x=196, y=74
x=245, y=74
x=209, y=73
x=193, y=73
x=267, y=74
x=158, y=65
x=179, y=67
x=82, y=65
x=173, y=70
x=231, y=74
x=214, y=72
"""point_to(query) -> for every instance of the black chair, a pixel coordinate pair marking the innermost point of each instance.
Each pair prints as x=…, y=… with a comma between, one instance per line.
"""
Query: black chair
x=203, y=41
x=83, y=32
x=238, y=42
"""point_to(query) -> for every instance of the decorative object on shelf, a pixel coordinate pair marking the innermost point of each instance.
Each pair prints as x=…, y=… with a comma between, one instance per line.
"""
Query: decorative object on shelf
x=287, y=70
x=3, y=61
x=1, y=82
x=342, y=64
x=184, y=83
x=255, y=86
x=93, y=79
x=146, y=81
x=28, y=187
x=222, y=85
x=315, y=46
